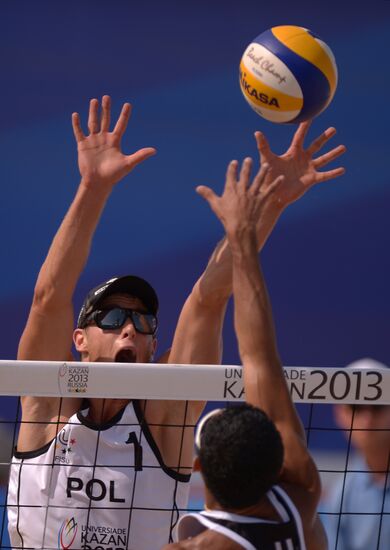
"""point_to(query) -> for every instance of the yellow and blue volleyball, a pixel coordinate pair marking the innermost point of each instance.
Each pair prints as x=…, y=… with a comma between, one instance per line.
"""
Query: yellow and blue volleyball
x=288, y=74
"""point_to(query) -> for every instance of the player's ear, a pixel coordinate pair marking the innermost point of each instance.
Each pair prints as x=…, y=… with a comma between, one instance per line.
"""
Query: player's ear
x=80, y=340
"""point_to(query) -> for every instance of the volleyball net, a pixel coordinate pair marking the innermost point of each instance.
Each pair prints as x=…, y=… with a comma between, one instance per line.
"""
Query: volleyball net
x=317, y=392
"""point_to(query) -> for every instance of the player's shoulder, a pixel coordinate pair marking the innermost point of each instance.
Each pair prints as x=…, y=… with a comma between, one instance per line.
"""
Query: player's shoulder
x=41, y=419
x=302, y=498
x=313, y=529
x=165, y=412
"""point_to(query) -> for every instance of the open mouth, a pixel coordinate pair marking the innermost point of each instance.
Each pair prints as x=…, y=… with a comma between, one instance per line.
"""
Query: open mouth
x=125, y=356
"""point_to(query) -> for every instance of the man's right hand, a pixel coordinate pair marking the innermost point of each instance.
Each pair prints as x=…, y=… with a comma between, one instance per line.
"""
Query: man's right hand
x=240, y=205
x=101, y=161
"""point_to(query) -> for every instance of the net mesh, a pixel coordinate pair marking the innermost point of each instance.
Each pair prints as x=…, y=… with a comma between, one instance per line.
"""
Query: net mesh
x=351, y=491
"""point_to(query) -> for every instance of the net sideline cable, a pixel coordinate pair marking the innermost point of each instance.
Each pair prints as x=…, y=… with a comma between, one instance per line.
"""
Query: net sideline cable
x=186, y=382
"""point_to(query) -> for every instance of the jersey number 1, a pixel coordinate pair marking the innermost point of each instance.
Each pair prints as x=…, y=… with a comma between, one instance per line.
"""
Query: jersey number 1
x=137, y=451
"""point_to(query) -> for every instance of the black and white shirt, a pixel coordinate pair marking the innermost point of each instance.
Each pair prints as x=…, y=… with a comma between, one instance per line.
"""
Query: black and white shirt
x=250, y=532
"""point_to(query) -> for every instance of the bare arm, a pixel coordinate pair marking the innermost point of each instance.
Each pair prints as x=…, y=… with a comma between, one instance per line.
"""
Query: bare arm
x=198, y=335
x=48, y=333
x=238, y=209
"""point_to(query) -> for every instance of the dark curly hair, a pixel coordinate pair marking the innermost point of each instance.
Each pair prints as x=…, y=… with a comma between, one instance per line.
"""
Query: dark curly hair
x=241, y=455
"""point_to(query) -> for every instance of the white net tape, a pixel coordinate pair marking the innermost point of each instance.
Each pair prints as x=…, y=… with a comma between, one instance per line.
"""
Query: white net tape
x=186, y=382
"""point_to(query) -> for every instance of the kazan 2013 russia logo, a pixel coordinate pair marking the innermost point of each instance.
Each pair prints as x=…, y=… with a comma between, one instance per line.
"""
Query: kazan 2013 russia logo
x=67, y=534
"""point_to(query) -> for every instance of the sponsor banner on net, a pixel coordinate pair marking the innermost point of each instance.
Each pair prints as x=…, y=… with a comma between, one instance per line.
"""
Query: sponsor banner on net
x=315, y=385
x=189, y=382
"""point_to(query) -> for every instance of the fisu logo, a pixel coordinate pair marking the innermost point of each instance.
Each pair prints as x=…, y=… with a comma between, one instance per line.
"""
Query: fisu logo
x=64, y=447
x=67, y=534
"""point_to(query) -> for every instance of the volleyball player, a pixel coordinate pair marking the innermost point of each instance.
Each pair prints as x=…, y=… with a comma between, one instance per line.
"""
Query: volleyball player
x=112, y=472
x=261, y=484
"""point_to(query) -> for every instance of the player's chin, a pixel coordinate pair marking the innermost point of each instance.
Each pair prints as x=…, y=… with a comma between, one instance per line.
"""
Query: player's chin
x=126, y=356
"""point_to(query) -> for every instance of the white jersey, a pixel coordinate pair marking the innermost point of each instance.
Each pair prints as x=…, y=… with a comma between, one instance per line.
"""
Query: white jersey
x=95, y=488
x=251, y=533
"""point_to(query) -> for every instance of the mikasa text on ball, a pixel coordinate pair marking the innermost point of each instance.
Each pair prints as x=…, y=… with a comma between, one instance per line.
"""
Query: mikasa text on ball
x=288, y=74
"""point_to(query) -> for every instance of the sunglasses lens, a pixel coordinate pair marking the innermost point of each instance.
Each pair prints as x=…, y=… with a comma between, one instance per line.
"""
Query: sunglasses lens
x=111, y=319
x=145, y=323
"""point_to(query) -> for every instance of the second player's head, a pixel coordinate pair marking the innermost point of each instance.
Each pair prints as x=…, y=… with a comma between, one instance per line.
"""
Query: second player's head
x=240, y=454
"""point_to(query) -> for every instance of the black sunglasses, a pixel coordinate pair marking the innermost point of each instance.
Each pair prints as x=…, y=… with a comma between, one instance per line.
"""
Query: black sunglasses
x=112, y=319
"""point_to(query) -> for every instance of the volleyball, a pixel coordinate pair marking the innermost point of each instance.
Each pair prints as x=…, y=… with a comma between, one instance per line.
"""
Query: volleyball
x=288, y=74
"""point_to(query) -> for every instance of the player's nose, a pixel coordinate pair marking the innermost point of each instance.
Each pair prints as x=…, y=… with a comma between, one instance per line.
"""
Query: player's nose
x=128, y=330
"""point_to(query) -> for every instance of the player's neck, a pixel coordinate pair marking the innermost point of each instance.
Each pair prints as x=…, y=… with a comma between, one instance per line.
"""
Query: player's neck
x=262, y=509
x=103, y=410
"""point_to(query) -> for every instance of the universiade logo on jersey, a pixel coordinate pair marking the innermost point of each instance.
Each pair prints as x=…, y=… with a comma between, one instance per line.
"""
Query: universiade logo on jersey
x=103, y=537
x=67, y=534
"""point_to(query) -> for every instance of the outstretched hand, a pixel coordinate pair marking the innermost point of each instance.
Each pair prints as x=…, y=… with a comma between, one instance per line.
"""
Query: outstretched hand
x=101, y=161
x=297, y=164
x=240, y=205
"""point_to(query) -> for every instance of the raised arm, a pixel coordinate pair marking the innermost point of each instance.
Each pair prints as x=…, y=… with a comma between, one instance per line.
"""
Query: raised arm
x=239, y=208
x=198, y=334
x=48, y=333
